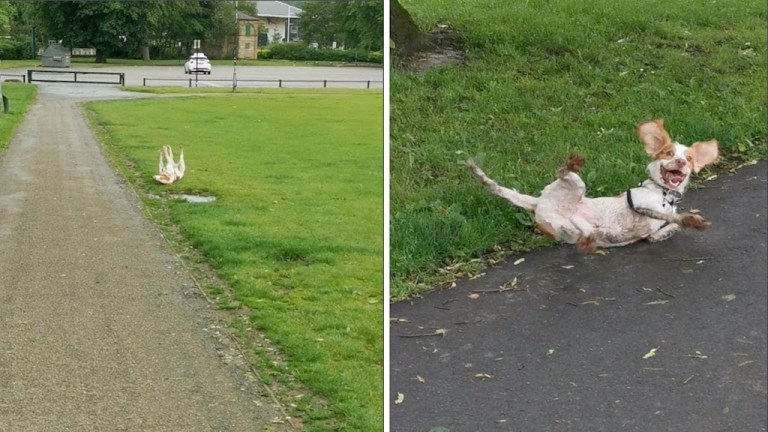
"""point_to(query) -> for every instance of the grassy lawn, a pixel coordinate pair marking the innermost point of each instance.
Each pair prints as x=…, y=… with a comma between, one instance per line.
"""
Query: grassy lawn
x=296, y=230
x=546, y=78
x=19, y=97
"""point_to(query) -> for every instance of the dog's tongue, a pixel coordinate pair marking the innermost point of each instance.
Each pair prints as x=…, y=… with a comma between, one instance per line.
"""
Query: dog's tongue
x=674, y=178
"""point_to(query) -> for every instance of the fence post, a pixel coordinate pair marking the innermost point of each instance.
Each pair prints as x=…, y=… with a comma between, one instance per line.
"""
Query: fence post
x=325, y=83
x=29, y=75
x=122, y=79
x=190, y=83
x=145, y=82
x=369, y=84
x=280, y=83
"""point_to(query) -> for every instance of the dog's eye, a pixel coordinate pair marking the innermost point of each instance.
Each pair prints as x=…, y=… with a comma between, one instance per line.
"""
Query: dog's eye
x=689, y=158
x=670, y=153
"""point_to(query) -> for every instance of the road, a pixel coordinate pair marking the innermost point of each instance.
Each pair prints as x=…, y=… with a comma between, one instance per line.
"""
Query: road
x=221, y=76
x=650, y=337
x=103, y=329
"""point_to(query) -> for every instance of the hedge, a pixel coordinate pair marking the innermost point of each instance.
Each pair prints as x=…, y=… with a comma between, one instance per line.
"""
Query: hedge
x=298, y=51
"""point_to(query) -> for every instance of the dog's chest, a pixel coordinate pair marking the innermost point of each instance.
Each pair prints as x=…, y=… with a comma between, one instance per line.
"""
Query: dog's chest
x=653, y=197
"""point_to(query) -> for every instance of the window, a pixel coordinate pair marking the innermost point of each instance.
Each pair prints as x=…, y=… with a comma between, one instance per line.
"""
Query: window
x=248, y=29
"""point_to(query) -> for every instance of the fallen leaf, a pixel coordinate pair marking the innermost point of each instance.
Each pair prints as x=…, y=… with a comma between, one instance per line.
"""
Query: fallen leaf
x=657, y=302
x=650, y=353
x=420, y=379
x=568, y=267
x=398, y=320
x=441, y=332
x=551, y=351
x=510, y=284
x=400, y=399
x=474, y=296
x=694, y=211
x=729, y=297
x=698, y=355
x=686, y=270
x=746, y=363
x=601, y=252
x=518, y=261
x=687, y=380
x=483, y=376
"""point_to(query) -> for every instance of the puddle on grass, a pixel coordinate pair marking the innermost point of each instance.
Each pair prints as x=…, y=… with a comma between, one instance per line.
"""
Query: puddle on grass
x=195, y=199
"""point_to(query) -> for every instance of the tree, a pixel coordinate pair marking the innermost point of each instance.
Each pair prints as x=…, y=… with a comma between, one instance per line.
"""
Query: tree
x=406, y=35
x=114, y=28
x=352, y=23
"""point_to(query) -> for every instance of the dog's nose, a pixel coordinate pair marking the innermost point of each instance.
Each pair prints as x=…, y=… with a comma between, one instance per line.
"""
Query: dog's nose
x=680, y=162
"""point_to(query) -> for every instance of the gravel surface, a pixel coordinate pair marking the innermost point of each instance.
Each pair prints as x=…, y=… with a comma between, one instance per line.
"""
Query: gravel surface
x=102, y=329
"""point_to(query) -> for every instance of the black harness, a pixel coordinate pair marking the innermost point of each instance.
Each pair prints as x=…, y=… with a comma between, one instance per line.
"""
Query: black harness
x=668, y=197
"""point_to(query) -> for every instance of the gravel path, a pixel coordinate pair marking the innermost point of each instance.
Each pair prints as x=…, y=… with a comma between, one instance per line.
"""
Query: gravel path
x=101, y=327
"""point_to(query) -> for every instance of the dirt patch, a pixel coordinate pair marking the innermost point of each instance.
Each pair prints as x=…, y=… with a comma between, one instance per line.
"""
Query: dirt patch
x=444, y=48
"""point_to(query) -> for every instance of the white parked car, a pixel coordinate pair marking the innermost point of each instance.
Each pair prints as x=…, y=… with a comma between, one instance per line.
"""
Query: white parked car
x=197, y=62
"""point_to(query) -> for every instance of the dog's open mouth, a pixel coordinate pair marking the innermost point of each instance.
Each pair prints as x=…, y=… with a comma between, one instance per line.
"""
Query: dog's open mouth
x=672, y=178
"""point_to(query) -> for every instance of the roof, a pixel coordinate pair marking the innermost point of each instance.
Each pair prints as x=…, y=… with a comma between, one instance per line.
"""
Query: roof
x=277, y=9
x=244, y=16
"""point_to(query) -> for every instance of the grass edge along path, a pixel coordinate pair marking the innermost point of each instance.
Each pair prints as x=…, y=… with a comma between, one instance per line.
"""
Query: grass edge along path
x=544, y=79
x=354, y=394
x=20, y=97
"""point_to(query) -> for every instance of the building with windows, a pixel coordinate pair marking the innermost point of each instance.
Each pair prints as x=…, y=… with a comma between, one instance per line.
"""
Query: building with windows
x=247, y=36
x=280, y=20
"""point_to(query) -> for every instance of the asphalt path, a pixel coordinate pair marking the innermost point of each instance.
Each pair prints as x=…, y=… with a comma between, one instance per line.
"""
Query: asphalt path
x=222, y=76
x=102, y=328
x=650, y=337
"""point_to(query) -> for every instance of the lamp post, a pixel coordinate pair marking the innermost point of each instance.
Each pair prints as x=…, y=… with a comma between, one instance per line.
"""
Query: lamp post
x=196, y=45
x=236, y=48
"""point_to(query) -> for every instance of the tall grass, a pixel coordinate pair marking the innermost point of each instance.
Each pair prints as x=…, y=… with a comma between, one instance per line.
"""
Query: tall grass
x=548, y=77
x=296, y=229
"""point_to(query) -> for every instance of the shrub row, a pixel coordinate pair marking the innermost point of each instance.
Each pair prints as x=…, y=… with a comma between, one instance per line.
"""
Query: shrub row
x=298, y=51
x=15, y=49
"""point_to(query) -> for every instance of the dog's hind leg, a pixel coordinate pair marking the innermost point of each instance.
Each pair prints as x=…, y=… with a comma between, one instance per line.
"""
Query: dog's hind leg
x=525, y=201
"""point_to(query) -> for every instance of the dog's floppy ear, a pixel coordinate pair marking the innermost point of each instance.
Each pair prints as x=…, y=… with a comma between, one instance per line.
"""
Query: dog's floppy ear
x=654, y=136
x=702, y=153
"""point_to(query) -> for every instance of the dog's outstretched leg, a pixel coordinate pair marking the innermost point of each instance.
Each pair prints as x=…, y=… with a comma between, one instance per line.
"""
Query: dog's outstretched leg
x=525, y=201
x=685, y=220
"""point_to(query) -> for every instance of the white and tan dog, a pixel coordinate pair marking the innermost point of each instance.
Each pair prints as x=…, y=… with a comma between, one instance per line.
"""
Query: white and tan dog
x=646, y=212
x=170, y=171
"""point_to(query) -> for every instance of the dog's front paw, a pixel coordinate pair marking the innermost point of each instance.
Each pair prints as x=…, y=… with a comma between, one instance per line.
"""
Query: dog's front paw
x=586, y=244
x=690, y=220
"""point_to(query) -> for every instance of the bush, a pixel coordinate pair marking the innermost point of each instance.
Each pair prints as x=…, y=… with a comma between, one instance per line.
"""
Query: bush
x=298, y=51
x=16, y=49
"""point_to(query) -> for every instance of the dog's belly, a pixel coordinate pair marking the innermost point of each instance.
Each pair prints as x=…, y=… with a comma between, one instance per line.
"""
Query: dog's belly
x=609, y=221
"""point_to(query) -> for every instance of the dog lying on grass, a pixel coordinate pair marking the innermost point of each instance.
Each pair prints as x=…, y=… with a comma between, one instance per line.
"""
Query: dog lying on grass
x=170, y=171
x=646, y=212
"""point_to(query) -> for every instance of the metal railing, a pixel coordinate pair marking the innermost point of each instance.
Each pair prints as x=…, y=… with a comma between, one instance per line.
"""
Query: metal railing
x=74, y=76
x=15, y=77
x=278, y=82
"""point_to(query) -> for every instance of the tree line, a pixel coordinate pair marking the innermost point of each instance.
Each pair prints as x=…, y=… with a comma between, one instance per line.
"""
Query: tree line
x=166, y=29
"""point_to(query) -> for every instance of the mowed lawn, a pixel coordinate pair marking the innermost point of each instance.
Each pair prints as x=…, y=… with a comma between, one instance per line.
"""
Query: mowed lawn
x=297, y=226
x=543, y=79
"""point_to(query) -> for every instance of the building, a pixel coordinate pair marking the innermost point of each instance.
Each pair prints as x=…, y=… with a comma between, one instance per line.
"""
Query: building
x=280, y=21
x=247, y=36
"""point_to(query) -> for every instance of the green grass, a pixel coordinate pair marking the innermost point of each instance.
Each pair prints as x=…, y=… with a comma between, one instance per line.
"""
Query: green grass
x=296, y=230
x=19, y=97
x=545, y=78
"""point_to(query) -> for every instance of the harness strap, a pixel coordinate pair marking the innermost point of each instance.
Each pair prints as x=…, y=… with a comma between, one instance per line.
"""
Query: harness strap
x=632, y=206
